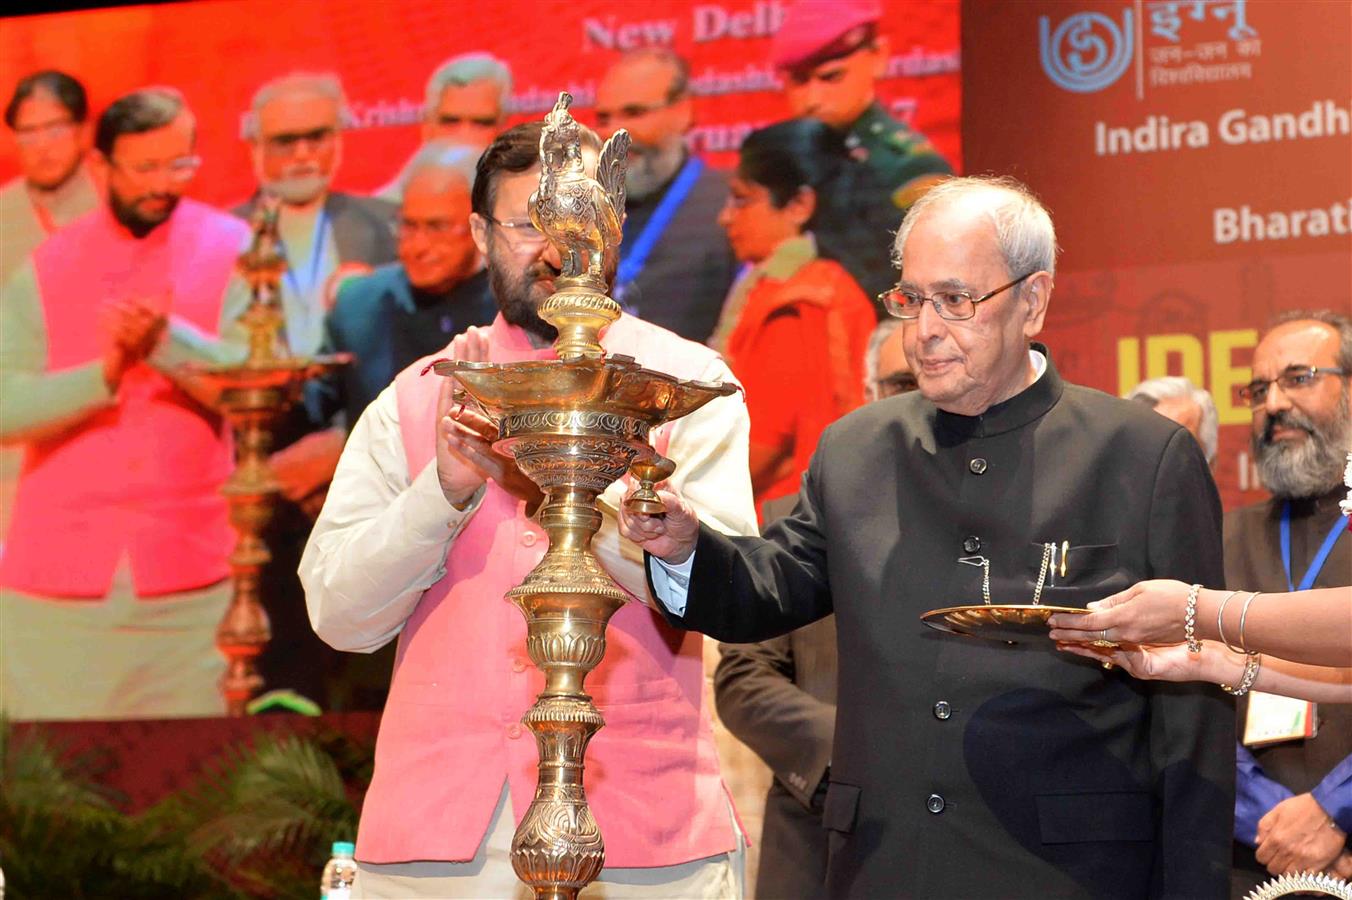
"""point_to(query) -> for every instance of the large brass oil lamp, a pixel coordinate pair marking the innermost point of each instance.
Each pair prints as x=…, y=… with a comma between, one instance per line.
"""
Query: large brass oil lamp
x=574, y=425
x=254, y=395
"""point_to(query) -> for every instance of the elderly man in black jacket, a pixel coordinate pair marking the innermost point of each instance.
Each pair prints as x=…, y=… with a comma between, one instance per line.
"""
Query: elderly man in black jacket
x=967, y=768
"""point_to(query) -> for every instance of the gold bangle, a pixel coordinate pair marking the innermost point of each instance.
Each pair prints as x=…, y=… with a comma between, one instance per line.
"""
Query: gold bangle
x=1246, y=680
x=1190, y=620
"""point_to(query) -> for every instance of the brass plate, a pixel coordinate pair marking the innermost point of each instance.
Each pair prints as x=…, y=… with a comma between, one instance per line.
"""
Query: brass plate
x=1013, y=624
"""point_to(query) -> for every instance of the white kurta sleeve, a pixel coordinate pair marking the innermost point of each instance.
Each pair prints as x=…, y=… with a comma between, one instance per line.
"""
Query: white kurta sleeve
x=381, y=539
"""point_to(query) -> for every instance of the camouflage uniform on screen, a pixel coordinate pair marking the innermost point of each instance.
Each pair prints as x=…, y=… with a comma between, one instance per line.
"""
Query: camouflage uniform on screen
x=890, y=166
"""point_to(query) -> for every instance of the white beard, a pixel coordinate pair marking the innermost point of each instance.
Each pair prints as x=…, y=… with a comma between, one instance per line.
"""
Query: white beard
x=299, y=189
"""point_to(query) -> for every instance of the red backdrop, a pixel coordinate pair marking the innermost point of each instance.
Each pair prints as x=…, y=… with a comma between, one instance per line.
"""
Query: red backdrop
x=1148, y=128
x=218, y=53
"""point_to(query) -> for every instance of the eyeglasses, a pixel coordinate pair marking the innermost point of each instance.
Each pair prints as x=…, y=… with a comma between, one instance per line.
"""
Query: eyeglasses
x=285, y=144
x=452, y=121
x=432, y=228
x=896, y=383
x=181, y=169
x=633, y=111
x=28, y=135
x=1293, y=380
x=522, y=235
x=951, y=305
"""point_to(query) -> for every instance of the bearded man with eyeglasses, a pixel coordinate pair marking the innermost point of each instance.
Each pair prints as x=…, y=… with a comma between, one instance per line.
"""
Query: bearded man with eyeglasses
x=964, y=767
x=675, y=268
x=1293, y=807
x=296, y=142
x=426, y=528
x=113, y=575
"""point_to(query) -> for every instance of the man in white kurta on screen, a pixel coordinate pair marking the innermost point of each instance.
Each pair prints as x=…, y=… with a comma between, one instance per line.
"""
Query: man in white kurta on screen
x=114, y=574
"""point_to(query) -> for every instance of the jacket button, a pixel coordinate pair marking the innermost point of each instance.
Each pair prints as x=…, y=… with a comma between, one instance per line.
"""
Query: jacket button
x=528, y=539
x=518, y=665
x=514, y=732
x=971, y=544
x=935, y=804
x=942, y=710
x=978, y=466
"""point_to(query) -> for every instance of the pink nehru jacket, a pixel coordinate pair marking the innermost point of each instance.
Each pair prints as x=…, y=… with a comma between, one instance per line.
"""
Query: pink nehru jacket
x=451, y=732
x=141, y=477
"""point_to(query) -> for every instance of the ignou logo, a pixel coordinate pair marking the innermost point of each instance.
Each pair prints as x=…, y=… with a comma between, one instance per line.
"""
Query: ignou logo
x=1087, y=52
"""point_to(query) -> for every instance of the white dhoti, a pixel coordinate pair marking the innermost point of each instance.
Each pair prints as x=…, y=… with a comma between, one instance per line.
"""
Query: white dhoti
x=120, y=657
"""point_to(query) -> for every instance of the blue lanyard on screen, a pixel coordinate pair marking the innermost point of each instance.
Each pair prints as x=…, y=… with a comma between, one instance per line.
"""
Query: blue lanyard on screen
x=316, y=259
x=1316, y=564
x=632, y=263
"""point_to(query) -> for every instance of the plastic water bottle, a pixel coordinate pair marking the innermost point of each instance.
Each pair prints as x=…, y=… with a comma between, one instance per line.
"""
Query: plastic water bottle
x=339, y=873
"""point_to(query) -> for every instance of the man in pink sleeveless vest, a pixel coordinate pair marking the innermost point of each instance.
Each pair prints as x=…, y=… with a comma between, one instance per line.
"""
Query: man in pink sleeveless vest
x=424, y=530
x=113, y=574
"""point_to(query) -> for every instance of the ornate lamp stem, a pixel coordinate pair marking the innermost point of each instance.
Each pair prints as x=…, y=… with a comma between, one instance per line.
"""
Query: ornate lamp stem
x=574, y=426
x=254, y=395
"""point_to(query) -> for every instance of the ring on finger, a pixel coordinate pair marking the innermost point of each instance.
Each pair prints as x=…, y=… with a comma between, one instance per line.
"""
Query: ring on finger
x=1103, y=641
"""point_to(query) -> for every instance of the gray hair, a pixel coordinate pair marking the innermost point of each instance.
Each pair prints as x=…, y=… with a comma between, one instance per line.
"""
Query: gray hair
x=443, y=156
x=468, y=68
x=1153, y=390
x=876, y=340
x=1023, y=227
x=325, y=84
x=1338, y=322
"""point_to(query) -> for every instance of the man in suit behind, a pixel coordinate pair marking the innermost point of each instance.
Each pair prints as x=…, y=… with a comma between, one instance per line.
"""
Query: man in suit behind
x=779, y=698
x=965, y=767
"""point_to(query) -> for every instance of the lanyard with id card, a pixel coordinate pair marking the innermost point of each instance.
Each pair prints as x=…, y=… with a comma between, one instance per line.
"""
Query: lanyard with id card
x=1271, y=718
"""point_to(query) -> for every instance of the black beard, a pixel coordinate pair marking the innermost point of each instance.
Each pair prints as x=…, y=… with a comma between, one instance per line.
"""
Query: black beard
x=133, y=221
x=1312, y=468
x=513, y=295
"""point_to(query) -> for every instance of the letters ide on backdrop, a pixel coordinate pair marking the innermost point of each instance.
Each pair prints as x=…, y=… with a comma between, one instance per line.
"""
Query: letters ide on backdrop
x=1194, y=154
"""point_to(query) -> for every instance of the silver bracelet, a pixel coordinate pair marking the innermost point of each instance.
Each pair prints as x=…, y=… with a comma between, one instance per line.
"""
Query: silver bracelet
x=1251, y=664
x=1220, y=627
x=1244, y=614
x=1190, y=621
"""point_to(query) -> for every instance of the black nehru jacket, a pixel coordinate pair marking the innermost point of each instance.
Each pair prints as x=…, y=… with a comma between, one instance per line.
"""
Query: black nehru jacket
x=969, y=768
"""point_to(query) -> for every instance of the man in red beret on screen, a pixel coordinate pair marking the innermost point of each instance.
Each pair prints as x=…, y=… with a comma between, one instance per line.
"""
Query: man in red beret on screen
x=830, y=54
